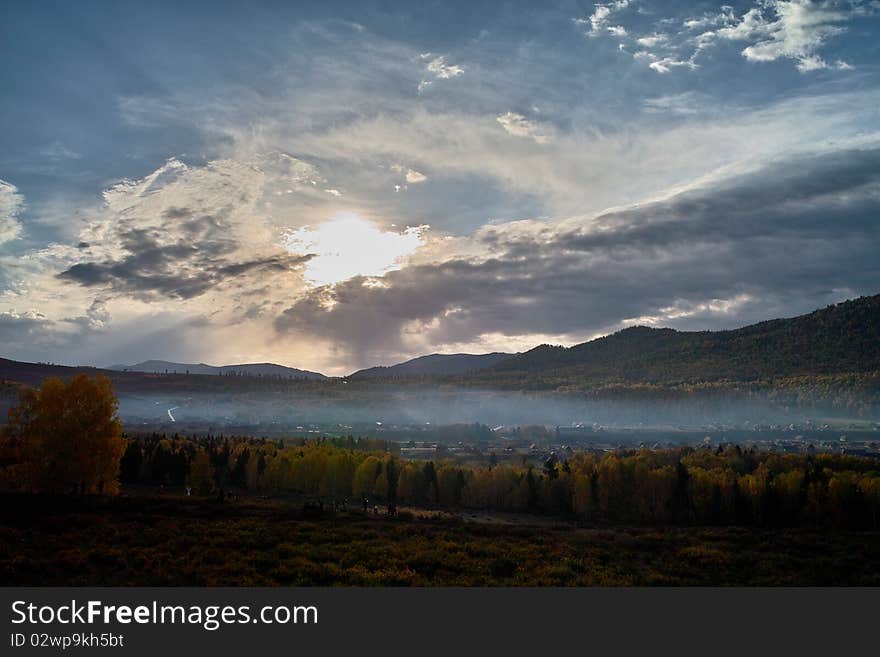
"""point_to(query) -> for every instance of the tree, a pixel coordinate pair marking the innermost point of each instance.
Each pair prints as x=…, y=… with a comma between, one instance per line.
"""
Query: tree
x=66, y=437
x=392, y=476
x=531, y=490
x=131, y=463
x=583, y=500
x=365, y=476
x=681, y=499
x=201, y=474
x=431, y=482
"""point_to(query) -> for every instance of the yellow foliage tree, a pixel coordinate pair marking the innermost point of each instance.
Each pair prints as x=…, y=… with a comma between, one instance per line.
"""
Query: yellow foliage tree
x=366, y=474
x=65, y=438
x=201, y=474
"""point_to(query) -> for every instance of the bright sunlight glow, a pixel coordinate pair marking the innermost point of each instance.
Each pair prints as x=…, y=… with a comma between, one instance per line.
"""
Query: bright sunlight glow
x=349, y=245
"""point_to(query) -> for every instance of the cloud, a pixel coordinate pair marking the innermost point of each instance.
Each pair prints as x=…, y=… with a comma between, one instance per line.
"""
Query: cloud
x=442, y=70
x=668, y=63
x=176, y=271
x=14, y=326
x=411, y=176
x=181, y=231
x=187, y=251
x=787, y=29
x=35, y=332
x=774, y=30
x=414, y=177
x=686, y=103
x=652, y=40
x=586, y=171
x=439, y=70
x=602, y=13
x=187, y=239
x=519, y=126
x=11, y=205
x=787, y=237
x=725, y=16
x=664, y=64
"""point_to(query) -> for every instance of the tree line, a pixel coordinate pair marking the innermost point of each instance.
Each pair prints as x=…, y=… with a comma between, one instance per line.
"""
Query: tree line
x=726, y=485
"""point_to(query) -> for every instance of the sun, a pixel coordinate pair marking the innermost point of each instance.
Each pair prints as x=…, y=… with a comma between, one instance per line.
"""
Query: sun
x=348, y=245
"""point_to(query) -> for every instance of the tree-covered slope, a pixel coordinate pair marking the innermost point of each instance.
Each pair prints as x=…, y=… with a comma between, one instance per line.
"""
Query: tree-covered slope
x=843, y=338
x=244, y=369
x=434, y=365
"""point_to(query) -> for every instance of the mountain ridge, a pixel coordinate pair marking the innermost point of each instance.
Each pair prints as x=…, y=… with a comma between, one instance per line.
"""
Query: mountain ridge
x=434, y=365
x=244, y=369
x=840, y=338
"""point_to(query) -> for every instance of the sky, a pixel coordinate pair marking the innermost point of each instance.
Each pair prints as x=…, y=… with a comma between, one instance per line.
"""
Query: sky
x=336, y=185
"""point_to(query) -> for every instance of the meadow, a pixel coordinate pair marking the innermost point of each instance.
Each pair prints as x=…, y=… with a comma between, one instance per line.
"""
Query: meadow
x=173, y=541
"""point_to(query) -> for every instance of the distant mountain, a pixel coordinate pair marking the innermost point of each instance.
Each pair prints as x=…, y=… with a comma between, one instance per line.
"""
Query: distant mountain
x=245, y=369
x=435, y=365
x=842, y=338
x=132, y=384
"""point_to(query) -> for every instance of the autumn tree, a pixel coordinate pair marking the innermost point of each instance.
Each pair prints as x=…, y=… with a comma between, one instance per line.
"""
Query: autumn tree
x=201, y=474
x=366, y=474
x=65, y=438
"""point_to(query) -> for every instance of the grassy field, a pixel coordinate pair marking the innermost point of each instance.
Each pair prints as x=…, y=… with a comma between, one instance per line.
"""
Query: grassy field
x=168, y=541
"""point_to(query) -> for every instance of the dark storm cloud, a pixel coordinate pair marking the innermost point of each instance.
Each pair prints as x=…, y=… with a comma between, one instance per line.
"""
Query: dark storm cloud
x=782, y=240
x=162, y=271
x=808, y=198
x=187, y=268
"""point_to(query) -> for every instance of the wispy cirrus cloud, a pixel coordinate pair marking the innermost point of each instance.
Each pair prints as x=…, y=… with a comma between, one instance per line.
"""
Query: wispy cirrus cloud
x=683, y=104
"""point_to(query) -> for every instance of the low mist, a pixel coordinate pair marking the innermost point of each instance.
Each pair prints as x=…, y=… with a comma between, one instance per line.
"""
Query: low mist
x=378, y=411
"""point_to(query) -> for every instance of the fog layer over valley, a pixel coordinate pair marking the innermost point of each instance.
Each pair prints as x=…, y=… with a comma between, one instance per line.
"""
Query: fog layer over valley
x=343, y=410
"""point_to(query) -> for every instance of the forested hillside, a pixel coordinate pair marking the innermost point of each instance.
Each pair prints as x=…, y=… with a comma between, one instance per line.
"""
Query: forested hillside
x=843, y=338
x=434, y=365
x=243, y=369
